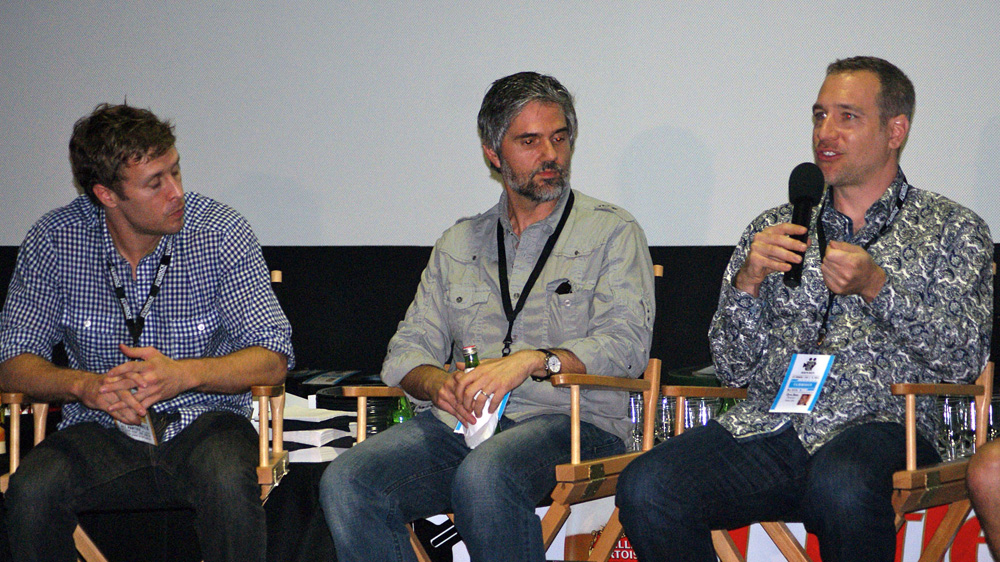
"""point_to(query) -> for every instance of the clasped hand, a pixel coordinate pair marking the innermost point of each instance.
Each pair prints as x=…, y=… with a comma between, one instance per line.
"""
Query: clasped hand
x=847, y=269
x=128, y=390
x=464, y=394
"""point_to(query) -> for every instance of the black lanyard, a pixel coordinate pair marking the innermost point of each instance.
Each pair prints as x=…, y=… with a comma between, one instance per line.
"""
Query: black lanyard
x=821, y=232
x=510, y=311
x=137, y=323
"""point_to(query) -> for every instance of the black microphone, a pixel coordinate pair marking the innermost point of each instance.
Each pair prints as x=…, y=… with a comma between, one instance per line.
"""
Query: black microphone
x=805, y=187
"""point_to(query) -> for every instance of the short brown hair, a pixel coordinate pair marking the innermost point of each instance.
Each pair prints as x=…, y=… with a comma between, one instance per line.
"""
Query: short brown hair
x=896, y=95
x=112, y=137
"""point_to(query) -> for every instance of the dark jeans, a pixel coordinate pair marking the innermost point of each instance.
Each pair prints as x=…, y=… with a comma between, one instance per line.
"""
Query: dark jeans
x=673, y=496
x=422, y=467
x=210, y=466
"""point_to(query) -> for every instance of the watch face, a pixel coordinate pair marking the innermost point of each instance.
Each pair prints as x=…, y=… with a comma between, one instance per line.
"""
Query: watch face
x=553, y=364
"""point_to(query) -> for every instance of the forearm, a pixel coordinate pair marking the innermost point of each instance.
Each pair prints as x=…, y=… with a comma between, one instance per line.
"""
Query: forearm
x=236, y=372
x=423, y=382
x=42, y=380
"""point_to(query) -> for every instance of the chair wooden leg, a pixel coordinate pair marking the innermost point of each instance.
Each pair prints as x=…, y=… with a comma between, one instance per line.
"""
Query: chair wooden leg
x=605, y=544
x=86, y=547
x=945, y=533
x=552, y=521
x=725, y=547
x=785, y=541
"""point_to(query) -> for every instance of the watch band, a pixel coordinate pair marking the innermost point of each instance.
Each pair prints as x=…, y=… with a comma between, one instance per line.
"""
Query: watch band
x=548, y=374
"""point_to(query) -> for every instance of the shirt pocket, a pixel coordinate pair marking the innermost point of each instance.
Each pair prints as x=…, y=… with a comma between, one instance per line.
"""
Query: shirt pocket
x=92, y=338
x=194, y=336
x=569, y=312
x=466, y=310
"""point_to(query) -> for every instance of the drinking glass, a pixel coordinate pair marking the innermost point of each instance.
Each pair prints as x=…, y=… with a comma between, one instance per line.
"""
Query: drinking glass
x=957, y=435
x=665, y=419
x=634, y=441
x=699, y=411
x=993, y=427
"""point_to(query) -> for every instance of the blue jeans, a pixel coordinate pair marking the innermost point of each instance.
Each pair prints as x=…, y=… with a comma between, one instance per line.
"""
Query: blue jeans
x=671, y=497
x=210, y=466
x=421, y=468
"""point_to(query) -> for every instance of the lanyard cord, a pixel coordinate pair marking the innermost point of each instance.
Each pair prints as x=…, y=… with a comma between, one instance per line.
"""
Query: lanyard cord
x=510, y=311
x=135, y=323
x=821, y=232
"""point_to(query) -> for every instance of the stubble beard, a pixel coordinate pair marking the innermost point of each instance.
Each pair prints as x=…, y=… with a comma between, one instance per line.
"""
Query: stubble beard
x=540, y=191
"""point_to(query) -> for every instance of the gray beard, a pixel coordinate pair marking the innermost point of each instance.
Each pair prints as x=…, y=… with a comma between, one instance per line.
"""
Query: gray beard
x=547, y=190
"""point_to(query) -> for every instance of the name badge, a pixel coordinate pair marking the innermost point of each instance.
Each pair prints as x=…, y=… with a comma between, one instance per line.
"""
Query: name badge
x=143, y=432
x=803, y=382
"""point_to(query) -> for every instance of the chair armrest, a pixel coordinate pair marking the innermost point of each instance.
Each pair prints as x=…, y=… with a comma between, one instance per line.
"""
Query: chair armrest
x=273, y=459
x=363, y=393
x=599, y=382
x=941, y=389
x=911, y=390
x=682, y=393
x=703, y=391
x=648, y=386
x=375, y=391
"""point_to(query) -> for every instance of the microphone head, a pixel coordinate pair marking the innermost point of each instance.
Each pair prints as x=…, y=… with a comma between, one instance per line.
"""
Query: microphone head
x=806, y=183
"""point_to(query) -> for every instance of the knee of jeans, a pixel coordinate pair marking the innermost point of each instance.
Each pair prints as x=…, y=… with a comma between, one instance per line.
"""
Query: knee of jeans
x=635, y=486
x=844, y=489
x=41, y=484
x=482, y=482
x=343, y=488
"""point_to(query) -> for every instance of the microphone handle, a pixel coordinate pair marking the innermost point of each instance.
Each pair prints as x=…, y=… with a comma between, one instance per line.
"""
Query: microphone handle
x=801, y=213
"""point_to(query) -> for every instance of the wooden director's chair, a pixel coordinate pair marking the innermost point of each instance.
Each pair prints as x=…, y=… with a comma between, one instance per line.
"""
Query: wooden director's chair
x=914, y=488
x=577, y=481
x=272, y=464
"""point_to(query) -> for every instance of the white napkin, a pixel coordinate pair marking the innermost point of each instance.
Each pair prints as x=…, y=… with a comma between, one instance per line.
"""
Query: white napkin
x=485, y=425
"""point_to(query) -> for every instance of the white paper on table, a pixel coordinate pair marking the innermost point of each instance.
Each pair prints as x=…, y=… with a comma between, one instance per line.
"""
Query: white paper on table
x=485, y=425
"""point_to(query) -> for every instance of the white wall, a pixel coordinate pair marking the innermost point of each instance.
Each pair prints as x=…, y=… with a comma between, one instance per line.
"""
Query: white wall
x=342, y=123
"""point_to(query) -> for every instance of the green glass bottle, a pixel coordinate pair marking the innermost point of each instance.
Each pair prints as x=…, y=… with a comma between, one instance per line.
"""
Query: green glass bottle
x=402, y=412
x=471, y=356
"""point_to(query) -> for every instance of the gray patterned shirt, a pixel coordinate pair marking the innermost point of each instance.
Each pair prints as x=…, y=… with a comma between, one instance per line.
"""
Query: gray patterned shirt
x=931, y=321
x=594, y=297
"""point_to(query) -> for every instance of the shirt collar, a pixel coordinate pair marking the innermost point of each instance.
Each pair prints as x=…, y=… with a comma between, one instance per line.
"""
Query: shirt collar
x=876, y=217
x=549, y=223
x=99, y=222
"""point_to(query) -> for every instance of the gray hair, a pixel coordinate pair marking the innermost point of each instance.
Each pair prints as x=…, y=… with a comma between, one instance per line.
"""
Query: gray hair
x=507, y=97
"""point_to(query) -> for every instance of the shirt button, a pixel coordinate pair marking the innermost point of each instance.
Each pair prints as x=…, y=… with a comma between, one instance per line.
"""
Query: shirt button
x=459, y=299
x=201, y=327
x=566, y=302
x=86, y=323
x=517, y=295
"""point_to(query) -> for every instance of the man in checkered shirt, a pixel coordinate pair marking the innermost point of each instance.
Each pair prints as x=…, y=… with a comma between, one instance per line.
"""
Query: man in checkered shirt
x=163, y=303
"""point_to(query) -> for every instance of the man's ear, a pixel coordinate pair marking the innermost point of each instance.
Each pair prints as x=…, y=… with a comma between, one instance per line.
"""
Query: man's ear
x=899, y=128
x=492, y=156
x=106, y=196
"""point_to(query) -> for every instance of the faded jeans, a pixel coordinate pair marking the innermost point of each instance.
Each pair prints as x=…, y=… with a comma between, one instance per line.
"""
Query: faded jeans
x=421, y=468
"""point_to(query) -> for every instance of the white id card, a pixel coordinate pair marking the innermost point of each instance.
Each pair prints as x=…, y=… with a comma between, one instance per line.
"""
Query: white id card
x=142, y=432
x=803, y=382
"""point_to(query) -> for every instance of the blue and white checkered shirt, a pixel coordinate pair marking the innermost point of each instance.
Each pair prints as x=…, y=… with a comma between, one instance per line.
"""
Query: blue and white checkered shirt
x=216, y=299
